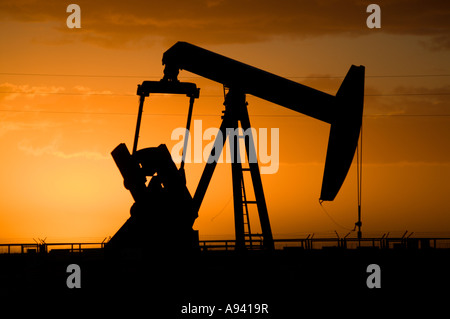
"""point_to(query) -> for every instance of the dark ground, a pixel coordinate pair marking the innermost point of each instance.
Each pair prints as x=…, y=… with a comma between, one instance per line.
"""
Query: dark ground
x=293, y=283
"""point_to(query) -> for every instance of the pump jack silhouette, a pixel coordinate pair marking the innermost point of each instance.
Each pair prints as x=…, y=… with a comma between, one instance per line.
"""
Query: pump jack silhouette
x=165, y=203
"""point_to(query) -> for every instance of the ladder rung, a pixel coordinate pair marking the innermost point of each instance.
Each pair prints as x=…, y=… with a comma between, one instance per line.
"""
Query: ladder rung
x=253, y=235
x=249, y=202
x=247, y=169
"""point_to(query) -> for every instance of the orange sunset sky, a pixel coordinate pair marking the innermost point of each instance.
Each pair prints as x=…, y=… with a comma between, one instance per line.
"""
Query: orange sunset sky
x=68, y=98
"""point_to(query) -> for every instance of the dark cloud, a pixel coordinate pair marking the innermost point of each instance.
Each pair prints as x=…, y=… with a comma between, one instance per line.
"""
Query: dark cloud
x=118, y=23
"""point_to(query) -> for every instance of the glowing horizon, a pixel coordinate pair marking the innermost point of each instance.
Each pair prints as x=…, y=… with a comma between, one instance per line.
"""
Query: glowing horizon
x=67, y=98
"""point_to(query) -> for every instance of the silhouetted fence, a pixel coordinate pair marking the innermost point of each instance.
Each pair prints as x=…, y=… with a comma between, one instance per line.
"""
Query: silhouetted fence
x=344, y=243
x=307, y=243
x=49, y=247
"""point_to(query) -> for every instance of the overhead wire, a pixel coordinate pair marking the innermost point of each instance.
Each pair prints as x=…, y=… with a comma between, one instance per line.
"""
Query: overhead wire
x=190, y=77
x=207, y=95
x=210, y=95
x=205, y=114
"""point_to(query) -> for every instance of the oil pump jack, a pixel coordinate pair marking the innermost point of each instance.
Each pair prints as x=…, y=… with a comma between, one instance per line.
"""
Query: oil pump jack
x=165, y=203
